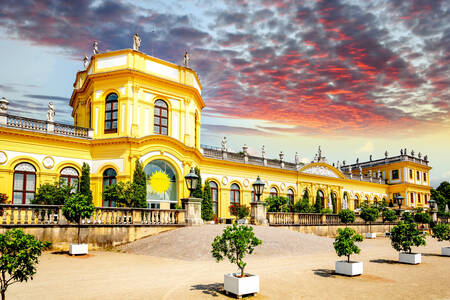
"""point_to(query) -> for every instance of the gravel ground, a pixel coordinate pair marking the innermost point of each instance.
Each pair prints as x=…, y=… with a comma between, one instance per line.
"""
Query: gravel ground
x=194, y=243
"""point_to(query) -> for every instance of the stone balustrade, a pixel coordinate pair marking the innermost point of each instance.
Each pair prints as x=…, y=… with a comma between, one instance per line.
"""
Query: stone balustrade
x=290, y=218
x=28, y=214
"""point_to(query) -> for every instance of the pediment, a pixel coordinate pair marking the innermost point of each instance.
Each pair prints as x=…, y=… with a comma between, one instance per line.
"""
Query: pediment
x=320, y=170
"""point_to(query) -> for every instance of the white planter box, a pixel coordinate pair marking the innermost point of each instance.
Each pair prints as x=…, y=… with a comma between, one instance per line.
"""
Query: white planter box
x=352, y=268
x=371, y=235
x=241, y=286
x=78, y=249
x=242, y=221
x=410, y=258
x=446, y=251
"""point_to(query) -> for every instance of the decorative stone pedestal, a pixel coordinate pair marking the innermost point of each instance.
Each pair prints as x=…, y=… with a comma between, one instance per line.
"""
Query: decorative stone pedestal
x=193, y=208
x=258, y=213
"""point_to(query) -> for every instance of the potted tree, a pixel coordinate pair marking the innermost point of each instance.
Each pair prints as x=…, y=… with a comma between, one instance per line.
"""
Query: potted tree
x=345, y=246
x=405, y=235
x=441, y=232
x=369, y=214
x=388, y=215
x=76, y=208
x=234, y=243
x=421, y=217
x=347, y=216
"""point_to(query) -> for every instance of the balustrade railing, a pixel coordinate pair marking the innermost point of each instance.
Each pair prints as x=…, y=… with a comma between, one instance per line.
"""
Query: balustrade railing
x=290, y=218
x=26, y=123
x=71, y=130
x=28, y=214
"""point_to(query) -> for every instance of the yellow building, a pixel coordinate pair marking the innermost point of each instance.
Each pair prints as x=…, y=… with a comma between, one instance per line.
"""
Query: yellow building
x=129, y=106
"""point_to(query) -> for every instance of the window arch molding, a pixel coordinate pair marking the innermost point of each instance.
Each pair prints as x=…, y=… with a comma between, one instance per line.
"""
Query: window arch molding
x=273, y=191
x=111, y=112
x=70, y=175
x=290, y=194
x=24, y=182
x=235, y=193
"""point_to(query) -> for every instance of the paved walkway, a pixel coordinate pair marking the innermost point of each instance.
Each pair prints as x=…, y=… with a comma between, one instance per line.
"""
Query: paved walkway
x=295, y=274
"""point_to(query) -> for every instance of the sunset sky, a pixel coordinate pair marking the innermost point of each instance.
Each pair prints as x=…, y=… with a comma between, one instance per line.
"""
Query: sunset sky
x=356, y=77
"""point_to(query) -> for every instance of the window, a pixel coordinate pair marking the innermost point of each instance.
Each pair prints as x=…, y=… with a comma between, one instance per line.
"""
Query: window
x=24, y=185
x=418, y=198
x=69, y=176
x=366, y=200
x=410, y=173
x=111, y=113
x=161, y=117
x=290, y=196
x=418, y=175
x=321, y=198
x=375, y=200
x=234, y=194
x=273, y=192
x=395, y=174
x=424, y=176
x=425, y=199
x=356, y=202
x=214, y=196
x=109, y=178
x=162, y=182
x=412, y=198
x=89, y=115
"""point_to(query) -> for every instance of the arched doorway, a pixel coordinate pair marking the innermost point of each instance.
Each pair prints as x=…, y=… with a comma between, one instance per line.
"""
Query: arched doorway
x=162, y=184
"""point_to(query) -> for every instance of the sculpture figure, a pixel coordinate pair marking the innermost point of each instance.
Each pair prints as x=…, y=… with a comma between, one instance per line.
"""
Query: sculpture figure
x=136, y=42
x=187, y=58
x=425, y=158
x=85, y=61
x=401, y=152
x=357, y=160
x=95, y=50
x=419, y=155
x=297, y=158
x=412, y=153
x=50, y=112
x=281, y=155
x=386, y=154
x=263, y=151
x=319, y=153
x=224, y=143
x=3, y=105
x=370, y=158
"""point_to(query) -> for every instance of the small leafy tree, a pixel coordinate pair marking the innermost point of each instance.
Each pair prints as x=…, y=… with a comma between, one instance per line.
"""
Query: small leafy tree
x=334, y=202
x=441, y=232
x=347, y=216
x=422, y=217
x=234, y=243
x=118, y=194
x=389, y=215
x=139, y=187
x=277, y=204
x=369, y=214
x=85, y=181
x=52, y=194
x=76, y=208
x=405, y=235
x=19, y=256
x=302, y=206
x=239, y=211
x=326, y=211
x=407, y=217
x=318, y=205
x=345, y=242
x=207, y=206
x=197, y=193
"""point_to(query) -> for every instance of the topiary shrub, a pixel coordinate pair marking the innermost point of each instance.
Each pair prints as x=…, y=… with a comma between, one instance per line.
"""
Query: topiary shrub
x=369, y=214
x=347, y=216
x=389, y=215
x=441, y=232
x=19, y=256
x=52, y=194
x=344, y=243
x=422, y=217
x=85, y=181
x=139, y=187
x=76, y=208
x=207, y=205
x=234, y=243
x=326, y=211
x=302, y=206
x=405, y=235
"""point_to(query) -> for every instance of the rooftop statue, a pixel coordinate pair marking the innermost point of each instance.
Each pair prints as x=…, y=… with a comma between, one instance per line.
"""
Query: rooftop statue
x=297, y=158
x=85, y=61
x=412, y=153
x=370, y=157
x=425, y=158
x=50, y=112
x=187, y=58
x=386, y=154
x=3, y=105
x=224, y=143
x=136, y=42
x=95, y=49
x=263, y=151
x=401, y=152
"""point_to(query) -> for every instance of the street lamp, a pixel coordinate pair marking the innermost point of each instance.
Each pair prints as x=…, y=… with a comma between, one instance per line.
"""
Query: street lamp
x=258, y=187
x=399, y=200
x=191, y=181
x=432, y=204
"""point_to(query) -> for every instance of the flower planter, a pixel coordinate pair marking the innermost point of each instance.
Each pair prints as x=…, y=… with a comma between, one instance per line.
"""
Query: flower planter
x=352, y=268
x=410, y=258
x=241, y=286
x=445, y=251
x=371, y=235
x=78, y=249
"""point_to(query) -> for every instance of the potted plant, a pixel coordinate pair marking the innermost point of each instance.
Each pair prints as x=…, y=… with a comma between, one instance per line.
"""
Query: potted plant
x=388, y=215
x=347, y=216
x=441, y=232
x=241, y=212
x=369, y=214
x=345, y=246
x=403, y=236
x=234, y=243
x=76, y=208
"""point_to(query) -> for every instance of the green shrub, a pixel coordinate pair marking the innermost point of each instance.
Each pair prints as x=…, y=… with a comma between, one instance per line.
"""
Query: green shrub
x=347, y=216
x=19, y=256
x=234, y=243
x=369, y=214
x=441, y=232
x=125, y=194
x=405, y=235
x=239, y=211
x=344, y=243
x=139, y=187
x=407, y=217
x=277, y=204
x=422, y=217
x=389, y=215
x=302, y=206
x=85, y=181
x=318, y=205
x=76, y=208
x=52, y=194
x=207, y=205
x=197, y=192
x=326, y=211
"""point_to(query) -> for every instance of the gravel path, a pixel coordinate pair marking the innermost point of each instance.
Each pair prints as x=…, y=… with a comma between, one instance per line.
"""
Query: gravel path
x=194, y=243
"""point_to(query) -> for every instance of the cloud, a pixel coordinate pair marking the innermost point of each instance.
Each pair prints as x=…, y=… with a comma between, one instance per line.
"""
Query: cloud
x=366, y=148
x=224, y=129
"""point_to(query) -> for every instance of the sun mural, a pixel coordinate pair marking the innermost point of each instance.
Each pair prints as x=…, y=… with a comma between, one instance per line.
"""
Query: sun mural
x=159, y=181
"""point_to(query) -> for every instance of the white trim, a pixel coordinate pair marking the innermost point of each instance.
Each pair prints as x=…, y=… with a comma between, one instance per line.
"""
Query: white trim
x=96, y=120
x=130, y=122
x=123, y=114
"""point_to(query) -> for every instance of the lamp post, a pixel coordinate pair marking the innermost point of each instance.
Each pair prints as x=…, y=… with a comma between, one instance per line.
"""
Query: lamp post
x=258, y=187
x=399, y=200
x=191, y=181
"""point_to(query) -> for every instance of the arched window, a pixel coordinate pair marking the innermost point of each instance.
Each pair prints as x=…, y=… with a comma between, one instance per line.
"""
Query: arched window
x=356, y=202
x=366, y=200
x=305, y=194
x=235, y=194
x=214, y=196
x=345, y=202
x=162, y=183
x=69, y=176
x=111, y=113
x=273, y=192
x=290, y=196
x=375, y=200
x=161, y=117
x=109, y=178
x=320, y=197
x=24, y=185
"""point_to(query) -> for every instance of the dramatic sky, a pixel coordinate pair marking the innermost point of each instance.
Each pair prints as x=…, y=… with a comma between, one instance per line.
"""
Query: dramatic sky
x=356, y=77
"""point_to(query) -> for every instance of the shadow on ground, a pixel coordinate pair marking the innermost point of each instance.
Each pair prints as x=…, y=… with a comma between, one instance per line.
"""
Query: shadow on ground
x=60, y=252
x=385, y=261
x=433, y=254
x=212, y=289
x=324, y=273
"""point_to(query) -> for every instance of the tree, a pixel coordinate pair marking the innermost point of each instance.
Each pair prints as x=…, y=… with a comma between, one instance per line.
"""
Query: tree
x=441, y=232
x=207, y=206
x=389, y=215
x=234, y=243
x=239, y=211
x=19, y=256
x=407, y=217
x=344, y=243
x=302, y=206
x=3, y=199
x=422, y=217
x=52, y=194
x=197, y=193
x=325, y=211
x=277, y=204
x=85, y=181
x=405, y=235
x=369, y=214
x=76, y=208
x=442, y=196
x=139, y=187
x=118, y=194
x=334, y=202
x=318, y=205
x=347, y=216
